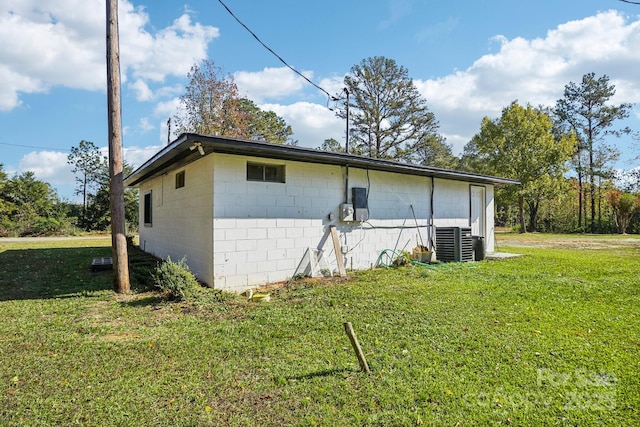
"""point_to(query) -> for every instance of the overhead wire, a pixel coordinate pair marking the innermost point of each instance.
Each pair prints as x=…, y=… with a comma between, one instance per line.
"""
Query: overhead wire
x=34, y=146
x=331, y=97
x=68, y=149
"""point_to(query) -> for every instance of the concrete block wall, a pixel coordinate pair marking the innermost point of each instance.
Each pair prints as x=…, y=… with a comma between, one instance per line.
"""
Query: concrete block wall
x=453, y=207
x=181, y=218
x=391, y=222
x=453, y=203
x=262, y=230
x=238, y=234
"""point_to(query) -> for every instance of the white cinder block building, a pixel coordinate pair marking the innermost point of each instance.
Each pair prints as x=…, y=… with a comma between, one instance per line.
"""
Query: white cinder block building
x=247, y=213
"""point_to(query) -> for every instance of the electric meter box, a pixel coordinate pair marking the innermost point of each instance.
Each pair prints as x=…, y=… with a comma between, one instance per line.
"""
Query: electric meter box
x=360, y=204
x=346, y=212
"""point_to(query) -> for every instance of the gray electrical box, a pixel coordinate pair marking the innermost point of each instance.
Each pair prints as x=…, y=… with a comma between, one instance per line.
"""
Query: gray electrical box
x=360, y=204
x=346, y=212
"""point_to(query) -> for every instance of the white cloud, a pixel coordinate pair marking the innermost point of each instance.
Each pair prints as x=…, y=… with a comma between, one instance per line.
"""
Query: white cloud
x=311, y=123
x=397, y=9
x=9, y=81
x=146, y=125
x=52, y=166
x=58, y=43
x=168, y=91
x=62, y=44
x=439, y=30
x=172, y=51
x=166, y=109
x=536, y=72
x=142, y=91
x=48, y=166
x=269, y=83
x=163, y=111
x=137, y=156
x=334, y=84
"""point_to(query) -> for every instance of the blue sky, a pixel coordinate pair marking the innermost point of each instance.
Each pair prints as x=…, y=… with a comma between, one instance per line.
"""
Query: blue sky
x=469, y=60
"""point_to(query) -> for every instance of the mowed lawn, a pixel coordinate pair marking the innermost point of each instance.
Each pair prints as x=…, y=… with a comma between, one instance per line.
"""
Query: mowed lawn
x=552, y=338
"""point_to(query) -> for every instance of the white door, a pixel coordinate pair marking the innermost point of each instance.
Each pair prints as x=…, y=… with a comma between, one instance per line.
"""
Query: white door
x=478, y=211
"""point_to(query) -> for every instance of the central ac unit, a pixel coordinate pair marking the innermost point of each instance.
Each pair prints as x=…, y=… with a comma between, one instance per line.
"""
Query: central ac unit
x=454, y=244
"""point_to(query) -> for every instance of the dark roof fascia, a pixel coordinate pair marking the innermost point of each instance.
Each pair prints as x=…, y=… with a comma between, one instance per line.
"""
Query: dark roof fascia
x=179, y=153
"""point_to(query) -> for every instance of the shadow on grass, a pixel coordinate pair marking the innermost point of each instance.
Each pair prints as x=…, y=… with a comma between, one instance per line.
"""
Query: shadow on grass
x=323, y=373
x=49, y=273
x=145, y=301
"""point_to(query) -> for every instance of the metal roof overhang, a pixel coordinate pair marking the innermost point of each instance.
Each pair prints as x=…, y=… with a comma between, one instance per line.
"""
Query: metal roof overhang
x=182, y=151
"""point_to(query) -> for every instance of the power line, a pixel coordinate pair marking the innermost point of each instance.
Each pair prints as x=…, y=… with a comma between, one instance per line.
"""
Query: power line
x=271, y=50
x=34, y=146
x=68, y=150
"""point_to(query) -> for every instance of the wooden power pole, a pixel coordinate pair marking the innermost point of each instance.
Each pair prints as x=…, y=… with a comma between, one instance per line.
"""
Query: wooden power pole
x=118, y=225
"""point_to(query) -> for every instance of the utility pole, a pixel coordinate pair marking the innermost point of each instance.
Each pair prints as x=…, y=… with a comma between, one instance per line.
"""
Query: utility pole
x=118, y=232
x=169, y=131
x=346, y=144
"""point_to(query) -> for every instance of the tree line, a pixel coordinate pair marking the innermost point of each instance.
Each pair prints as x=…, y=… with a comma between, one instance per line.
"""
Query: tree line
x=29, y=206
x=561, y=154
x=32, y=207
x=563, y=157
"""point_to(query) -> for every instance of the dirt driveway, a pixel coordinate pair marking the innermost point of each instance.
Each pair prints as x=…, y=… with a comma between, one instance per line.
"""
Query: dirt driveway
x=569, y=241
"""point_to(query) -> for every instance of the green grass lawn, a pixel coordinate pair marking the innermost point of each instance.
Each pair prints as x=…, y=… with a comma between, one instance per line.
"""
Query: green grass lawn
x=552, y=338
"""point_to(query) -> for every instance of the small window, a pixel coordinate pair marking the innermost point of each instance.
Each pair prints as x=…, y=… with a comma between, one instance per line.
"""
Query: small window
x=265, y=172
x=180, y=179
x=147, y=208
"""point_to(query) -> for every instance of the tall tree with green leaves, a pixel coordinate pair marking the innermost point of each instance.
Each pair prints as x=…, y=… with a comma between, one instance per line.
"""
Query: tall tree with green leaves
x=333, y=145
x=521, y=145
x=87, y=163
x=3, y=181
x=32, y=205
x=211, y=105
x=624, y=205
x=5, y=205
x=585, y=109
x=436, y=153
x=98, y=211
x=389, y=118
x=265, y=126
x=605, y=174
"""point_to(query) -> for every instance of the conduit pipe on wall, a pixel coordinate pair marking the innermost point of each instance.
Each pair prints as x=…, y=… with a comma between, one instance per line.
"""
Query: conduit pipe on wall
x=346, y=184
x=430, y=231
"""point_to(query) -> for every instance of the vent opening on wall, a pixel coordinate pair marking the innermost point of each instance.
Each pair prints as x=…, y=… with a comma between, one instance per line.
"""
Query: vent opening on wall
x=454, y=244
x=180, y=179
